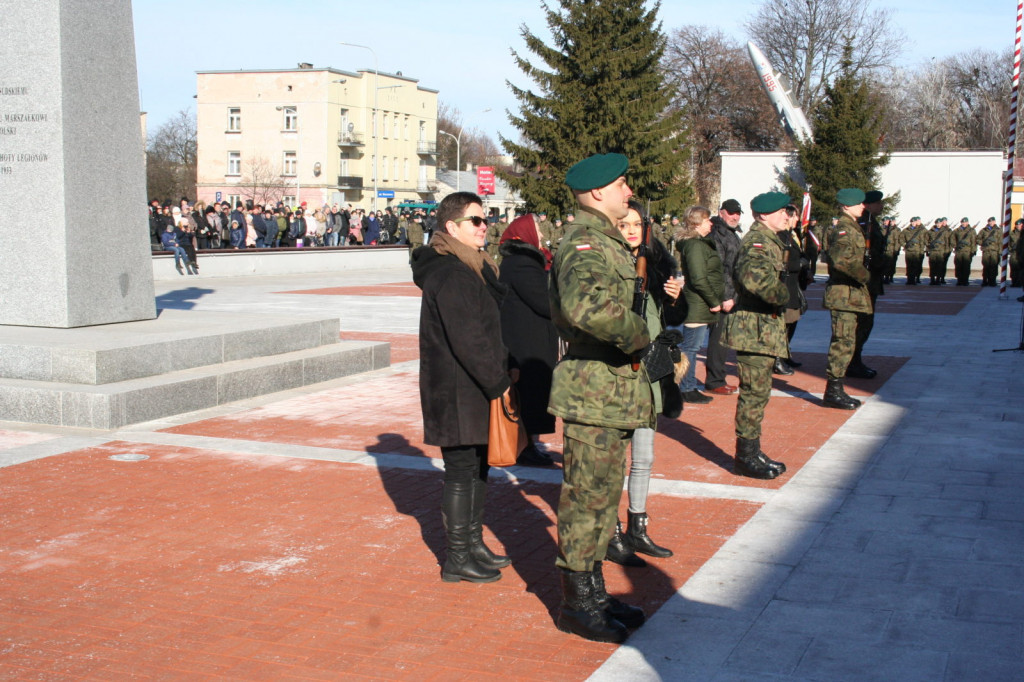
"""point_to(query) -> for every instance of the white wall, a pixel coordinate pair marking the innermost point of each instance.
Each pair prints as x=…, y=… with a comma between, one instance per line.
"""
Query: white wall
x=931, y=184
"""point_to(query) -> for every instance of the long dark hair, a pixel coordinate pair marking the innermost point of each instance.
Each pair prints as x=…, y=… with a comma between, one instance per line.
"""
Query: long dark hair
x=661, y=266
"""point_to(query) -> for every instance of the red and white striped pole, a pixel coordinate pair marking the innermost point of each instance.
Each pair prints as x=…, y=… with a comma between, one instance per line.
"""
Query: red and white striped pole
x=1007, y=210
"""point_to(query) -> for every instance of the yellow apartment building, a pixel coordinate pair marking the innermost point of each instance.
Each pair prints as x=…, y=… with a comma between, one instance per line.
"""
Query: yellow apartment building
x=310, y=135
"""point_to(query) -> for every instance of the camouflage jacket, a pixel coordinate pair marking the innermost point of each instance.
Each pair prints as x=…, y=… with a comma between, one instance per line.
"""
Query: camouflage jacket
x=990, y=241
x=551, y=235
x=965, y=241
x=941, y=241
x=877, y=249
x=755, y=325
x=914, y=240
x=848, y=277
x=591, y=292
x=1015, y=243
x=494, y=232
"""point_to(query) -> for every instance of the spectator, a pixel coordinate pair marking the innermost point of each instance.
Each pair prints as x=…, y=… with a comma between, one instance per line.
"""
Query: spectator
x=170, y=243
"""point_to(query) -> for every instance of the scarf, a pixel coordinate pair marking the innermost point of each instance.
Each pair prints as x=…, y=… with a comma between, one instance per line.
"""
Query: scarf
x=474, y=259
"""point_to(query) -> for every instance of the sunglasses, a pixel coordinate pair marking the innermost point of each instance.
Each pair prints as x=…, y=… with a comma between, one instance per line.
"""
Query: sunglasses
x=477, y=220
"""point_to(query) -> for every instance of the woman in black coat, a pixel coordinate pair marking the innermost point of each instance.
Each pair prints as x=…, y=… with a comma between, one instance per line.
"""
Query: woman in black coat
x=463, y=366
x=527, y=330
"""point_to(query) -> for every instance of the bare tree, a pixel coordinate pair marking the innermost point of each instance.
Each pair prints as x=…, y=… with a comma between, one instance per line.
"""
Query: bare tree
x=804, y=39
x=171, y=158
x=718, y=92
x=476, y=147
x=260, y=183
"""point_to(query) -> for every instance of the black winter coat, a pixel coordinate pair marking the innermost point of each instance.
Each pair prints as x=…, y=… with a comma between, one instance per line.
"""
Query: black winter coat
x=527, y=330
x=463, y=363
x=727, y=241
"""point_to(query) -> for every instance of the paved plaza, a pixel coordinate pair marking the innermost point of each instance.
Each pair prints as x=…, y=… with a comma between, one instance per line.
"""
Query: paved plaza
x=297, y=536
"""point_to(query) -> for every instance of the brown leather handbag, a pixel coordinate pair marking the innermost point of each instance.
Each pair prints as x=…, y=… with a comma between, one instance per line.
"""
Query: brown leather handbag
x=506, y=434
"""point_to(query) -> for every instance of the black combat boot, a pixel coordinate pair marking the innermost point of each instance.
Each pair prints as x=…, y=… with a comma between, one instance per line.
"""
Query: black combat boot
x=630, y=616
x=620, y=551
x=749, y=461
x=858, y=370
x=477, y=549
x=782, y=368
x=457, y=516
x=638, y=539
x=835, y=396
x=580, y=613
x=772, y=463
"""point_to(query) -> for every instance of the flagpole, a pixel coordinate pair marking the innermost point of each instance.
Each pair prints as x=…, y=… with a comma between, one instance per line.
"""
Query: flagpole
x=1011, y=153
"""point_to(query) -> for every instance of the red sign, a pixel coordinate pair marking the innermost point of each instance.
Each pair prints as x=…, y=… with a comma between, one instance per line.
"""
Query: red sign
x=484, y=180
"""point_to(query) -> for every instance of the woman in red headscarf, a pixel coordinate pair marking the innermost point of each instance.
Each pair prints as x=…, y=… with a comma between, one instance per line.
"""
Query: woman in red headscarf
x=527, y=330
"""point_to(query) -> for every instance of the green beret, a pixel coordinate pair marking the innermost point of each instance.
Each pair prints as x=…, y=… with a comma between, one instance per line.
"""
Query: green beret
x=965, y=220
x=851, y=196
x=596, y=171
x=917, y=217
x=769, y=202
x=872, y=196
x=992, y=218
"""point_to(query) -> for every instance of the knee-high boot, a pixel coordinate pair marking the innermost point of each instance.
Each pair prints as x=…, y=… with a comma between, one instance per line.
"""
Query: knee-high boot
x=477, y=549
x=457, y=516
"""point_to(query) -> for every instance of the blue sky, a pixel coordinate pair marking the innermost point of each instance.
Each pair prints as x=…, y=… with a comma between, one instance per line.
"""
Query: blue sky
x=461, y=49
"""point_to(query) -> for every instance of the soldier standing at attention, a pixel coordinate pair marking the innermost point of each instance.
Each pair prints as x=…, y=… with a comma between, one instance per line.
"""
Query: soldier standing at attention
x=965, y=242
x=812, y=244
x=597, y=393
x=547, y=231
x=1014, y=257
x=756, y=329
x=914, y=241
x=892, y=249
x=990, y=241
x=846, y=295
x=875, y=263
x=495, y=229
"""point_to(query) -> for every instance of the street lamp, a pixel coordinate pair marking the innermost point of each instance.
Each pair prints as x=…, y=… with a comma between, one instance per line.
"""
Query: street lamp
x=376, y=76
x=458, y=151
x=298, y=153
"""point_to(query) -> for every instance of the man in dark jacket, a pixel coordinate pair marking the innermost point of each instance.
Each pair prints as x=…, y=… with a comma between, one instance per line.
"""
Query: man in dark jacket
x=725, y=229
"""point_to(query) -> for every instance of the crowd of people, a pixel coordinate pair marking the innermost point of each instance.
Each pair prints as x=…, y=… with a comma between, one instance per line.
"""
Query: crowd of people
x=188, y=227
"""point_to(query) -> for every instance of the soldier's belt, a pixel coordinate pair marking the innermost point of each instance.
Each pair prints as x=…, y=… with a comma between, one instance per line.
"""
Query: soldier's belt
x=606, y=354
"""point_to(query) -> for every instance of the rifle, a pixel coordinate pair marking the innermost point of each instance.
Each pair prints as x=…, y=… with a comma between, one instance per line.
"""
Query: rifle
x=867, y=239
x=640, y=290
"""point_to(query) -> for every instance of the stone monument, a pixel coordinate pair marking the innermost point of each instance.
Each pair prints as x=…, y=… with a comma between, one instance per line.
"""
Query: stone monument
x=74, y=239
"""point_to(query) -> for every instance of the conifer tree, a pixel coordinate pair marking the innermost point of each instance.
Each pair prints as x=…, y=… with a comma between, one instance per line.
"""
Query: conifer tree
x=846, y=149
x=600, y=91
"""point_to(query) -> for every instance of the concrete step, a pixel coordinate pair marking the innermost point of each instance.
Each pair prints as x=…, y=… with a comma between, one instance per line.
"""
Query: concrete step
x=116, y=404
x=174, y=341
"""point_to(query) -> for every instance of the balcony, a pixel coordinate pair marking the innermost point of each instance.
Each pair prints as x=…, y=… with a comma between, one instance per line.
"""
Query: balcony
x=427, y=148
x=347, y=139
x=350, y=182
x=426, y=186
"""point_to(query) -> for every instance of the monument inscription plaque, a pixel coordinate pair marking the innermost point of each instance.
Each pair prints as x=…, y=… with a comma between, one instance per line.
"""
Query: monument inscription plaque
x=74, y=241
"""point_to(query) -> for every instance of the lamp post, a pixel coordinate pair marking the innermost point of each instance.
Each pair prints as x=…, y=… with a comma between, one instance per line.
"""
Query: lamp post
x=458, y=151
x=376, y=76
x=298, y=153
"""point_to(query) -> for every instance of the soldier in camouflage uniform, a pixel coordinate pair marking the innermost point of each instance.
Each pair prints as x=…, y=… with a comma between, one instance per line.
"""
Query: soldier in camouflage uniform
x=551, y=234
x=875, y=262
x=600, y=397
x=939, y=248
x=495, y=229
x=1015, y=245
x=990, y=241
x=891, y=232
x=965, y=243
x=756, y=329
x=914, y=240
x=847, y=295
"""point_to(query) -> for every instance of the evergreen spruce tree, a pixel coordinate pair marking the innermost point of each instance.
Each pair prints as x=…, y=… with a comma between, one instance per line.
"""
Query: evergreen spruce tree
x=601, y=92
x=845, y=152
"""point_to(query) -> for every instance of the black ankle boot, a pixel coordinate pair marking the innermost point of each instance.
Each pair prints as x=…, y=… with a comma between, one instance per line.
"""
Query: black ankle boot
x=772, y=463
x=620, y=552
x=835, y=396
x=637, y=537
x=457, y=517
x=630, y=616
x=781, y=368
x=580, y=613
x=477, y=549
x=749, y=461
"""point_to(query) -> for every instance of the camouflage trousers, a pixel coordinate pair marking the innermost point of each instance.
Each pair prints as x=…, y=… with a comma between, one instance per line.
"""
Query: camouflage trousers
x=937, y=265
x=914, y=263
x=755, y=372
x=593, y=472
x=843, y=343
x=962, y=267
x=989, y=267
x=865, y=323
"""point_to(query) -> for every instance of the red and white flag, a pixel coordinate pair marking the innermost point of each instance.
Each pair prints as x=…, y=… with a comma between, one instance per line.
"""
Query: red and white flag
x=805, y=213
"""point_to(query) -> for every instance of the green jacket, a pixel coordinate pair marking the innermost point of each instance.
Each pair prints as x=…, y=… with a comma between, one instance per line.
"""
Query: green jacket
x=591, y=293
x=705, y=287
x=848, y=277
x=965, y=241
x=1015, y=244
x=755, y=325
x=914, y=240
x=990, y=240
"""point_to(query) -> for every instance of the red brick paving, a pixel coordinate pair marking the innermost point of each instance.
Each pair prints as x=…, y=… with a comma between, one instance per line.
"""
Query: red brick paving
x=197, y=564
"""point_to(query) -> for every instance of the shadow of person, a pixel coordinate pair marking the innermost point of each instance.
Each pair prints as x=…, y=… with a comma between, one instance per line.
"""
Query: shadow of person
x=692, y=437
x=181, y=299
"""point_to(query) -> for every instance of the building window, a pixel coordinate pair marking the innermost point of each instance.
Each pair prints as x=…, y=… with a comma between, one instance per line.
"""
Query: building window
x=234, y=200
x=406, y=135
x=406, y=174
x=289, y=200
x=342, y=164
x=396, y=168
x=291, y=120
x=234, y=120
x=291, y=163
x=384, y=124
x=234, y=163
x=373, y=167
x=344, y=120
x=397, y=129
x=423, y=131
x=384, y=169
